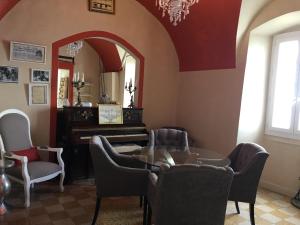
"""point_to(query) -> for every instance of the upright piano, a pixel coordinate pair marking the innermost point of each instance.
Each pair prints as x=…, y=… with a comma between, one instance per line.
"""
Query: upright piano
x=76, y=126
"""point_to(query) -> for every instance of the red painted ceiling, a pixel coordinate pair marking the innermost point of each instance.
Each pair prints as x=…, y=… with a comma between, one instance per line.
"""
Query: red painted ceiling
x=206, y=39
x=108, y=53
x=6, y=5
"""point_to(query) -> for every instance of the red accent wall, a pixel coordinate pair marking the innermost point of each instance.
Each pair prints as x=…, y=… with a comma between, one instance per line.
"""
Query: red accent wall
x=108, y=53
x=5, y=6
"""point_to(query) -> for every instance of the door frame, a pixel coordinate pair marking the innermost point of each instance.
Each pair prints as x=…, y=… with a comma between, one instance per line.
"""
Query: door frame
x=76, y=37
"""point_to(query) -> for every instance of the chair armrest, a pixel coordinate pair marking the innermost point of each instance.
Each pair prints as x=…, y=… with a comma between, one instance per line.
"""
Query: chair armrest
x=58, y=154
x=151, y=193
x=49, y=149
x=24, y=163
x=130, y=161
x=23, y=159
x=153, y=179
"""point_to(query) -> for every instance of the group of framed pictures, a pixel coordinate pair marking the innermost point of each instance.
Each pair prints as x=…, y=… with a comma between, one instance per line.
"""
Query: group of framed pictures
x=10, y=74
x=38, y=88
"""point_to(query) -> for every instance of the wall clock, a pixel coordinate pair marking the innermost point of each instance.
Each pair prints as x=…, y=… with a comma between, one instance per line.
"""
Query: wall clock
x=105, y=6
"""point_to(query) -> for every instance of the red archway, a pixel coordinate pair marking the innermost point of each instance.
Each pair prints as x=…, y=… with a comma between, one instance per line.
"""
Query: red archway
x=89, y=34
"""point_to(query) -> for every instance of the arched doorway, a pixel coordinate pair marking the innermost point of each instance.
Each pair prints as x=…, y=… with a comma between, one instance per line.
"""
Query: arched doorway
x=55, y=63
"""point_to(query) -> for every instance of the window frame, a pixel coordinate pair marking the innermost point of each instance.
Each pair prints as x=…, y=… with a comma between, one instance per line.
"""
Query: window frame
x=292, y=132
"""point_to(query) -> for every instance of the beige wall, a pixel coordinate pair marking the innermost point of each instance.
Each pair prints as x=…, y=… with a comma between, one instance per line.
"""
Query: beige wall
x=44, y=22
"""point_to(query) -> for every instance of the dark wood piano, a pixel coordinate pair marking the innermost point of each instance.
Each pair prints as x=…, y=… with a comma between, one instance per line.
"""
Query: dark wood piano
x=75, y=127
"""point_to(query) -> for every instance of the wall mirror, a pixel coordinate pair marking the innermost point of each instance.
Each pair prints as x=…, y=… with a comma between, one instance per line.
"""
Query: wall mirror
x=106, y=68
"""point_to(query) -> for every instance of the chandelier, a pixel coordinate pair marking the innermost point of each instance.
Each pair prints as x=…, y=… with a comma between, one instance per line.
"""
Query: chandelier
x=74, y=47
x=175, y=8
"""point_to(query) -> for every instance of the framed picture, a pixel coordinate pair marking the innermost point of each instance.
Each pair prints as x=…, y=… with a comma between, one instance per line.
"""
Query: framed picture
x=105, y=6
x=38, y=94
x=9, y=74
x=40, y=76
x=110, y=114
x=27, y=52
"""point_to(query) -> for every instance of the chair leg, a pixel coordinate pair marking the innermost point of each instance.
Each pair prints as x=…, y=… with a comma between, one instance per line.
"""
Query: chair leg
x=251, y=209
x=98, y=203
x=27, y=194
x=145, y=210
x=61, y=181
x=141, y=201
x=149, y=215
x=237, y=207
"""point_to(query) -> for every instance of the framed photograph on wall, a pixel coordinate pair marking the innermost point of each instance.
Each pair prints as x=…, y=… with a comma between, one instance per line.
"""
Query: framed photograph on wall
x=104, y=6
x=9, y=74
x=40, y=76
x=38, y=94
x=27, y=52
x=110, y=114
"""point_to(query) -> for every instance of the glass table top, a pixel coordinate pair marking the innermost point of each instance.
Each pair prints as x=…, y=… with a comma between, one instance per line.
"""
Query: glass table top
x=155, y=156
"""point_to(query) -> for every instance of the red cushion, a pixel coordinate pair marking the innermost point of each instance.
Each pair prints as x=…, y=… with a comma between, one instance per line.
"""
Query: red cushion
x=31, y=153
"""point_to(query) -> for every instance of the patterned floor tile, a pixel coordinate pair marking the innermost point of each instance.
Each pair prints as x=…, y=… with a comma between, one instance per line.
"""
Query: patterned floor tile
x=76, y=207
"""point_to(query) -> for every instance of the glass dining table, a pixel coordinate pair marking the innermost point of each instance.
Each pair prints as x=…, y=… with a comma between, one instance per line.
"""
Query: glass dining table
x=156, y=156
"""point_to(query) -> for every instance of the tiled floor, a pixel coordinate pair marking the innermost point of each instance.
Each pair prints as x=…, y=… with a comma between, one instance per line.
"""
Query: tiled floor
x=76, y=205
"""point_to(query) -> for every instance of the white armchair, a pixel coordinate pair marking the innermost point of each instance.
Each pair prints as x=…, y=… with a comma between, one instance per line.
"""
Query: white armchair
x=15, y=136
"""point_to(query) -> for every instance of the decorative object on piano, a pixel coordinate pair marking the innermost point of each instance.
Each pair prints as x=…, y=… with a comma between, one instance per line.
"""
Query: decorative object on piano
x=78, y=84
x=131, y=89
x=132, y=115
x=38, y=94
x=296, y=200
x=104, y=6
x=110, y=114
x=84, y=115
x=74, y=47
x=40, y=76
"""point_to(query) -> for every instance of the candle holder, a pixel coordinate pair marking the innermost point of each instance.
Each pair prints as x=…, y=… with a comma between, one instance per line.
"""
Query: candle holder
x=78, y=84
x=131, y=89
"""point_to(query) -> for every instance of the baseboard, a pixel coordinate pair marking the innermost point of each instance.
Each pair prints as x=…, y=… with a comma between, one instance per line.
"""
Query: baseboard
x=277, y=188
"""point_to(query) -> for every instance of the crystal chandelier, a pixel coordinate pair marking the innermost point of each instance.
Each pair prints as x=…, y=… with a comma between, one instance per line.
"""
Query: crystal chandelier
x=175, y=8
x=74, y=47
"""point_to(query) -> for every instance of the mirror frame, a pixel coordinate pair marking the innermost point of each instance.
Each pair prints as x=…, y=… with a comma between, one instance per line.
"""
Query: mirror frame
x=79, y=36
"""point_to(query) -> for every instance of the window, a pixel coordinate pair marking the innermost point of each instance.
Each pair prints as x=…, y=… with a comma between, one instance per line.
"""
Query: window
x=284, y=92
x=130, y=66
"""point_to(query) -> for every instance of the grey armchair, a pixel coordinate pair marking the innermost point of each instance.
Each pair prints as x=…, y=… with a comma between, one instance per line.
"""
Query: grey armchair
x=170, y=137
x=15, y=136
x=247, y=162
x=189, y=195
x=113, y=179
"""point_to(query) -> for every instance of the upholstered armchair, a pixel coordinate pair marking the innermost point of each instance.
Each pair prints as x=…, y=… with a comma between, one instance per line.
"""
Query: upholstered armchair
x=189, y=195
x=247, y=162
x=170, y=137
x=15, y=140
x=113, y=179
